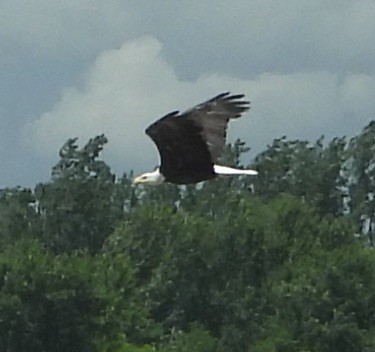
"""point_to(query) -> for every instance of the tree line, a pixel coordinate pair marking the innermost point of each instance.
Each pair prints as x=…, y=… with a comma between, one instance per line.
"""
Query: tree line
x=280, y=262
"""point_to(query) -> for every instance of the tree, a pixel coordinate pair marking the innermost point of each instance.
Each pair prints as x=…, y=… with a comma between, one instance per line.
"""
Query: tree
x=312, y=172
x=360, y=176
x=81, y=205
x=325, y=302
x=196, y=339
x=18, y=218
x=272, y=263
x=69, y=302
x=46, y=303
x=198, y=267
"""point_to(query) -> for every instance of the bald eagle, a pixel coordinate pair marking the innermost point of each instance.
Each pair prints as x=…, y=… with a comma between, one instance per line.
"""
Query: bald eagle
x=190, y=143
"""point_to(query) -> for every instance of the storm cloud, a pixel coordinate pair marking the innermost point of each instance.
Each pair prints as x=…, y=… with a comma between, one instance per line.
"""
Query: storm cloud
x=81, y=68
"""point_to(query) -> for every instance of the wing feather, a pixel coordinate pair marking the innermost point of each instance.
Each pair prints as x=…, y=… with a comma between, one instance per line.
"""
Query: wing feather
x=213, y=117
x=190, y=143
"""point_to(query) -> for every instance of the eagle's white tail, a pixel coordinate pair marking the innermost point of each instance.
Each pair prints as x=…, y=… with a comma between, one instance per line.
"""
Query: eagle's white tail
x=225, y=170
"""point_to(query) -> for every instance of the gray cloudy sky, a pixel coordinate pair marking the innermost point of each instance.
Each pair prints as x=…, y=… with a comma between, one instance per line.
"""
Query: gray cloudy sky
x=79, y=68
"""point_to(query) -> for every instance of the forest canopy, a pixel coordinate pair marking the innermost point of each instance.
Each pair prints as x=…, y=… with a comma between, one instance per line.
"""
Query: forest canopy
x=280, y=262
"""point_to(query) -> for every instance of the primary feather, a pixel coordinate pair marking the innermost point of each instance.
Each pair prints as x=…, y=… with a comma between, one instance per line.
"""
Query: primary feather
x=191, y=142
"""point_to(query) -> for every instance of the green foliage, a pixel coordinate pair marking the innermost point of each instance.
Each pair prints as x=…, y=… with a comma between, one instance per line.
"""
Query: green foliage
x=326, y=302
x=196, y=339
x=80, y=207
x=68, y=302
x=82, y=163
x=301, y=169
x=18, y=217
x=124, y=315
x=360, y=174
x=272, y=263
x=46, y=302
x=201, y=268
x=127, y=347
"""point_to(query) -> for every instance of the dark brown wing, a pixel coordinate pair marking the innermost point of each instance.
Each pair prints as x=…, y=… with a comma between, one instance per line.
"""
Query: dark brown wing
x=213, y=116
x=184, y=155
x=190, y=143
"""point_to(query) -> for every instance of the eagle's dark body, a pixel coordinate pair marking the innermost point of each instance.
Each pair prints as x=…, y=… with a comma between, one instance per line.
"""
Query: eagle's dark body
x=190, y=143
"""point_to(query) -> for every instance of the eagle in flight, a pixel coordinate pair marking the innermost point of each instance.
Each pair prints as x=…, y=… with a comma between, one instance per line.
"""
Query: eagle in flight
x=190, y=143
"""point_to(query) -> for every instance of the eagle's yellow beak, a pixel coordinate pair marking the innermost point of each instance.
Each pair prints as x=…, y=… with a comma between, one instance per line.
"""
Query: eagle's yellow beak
x=149, y=178
x=138, y=180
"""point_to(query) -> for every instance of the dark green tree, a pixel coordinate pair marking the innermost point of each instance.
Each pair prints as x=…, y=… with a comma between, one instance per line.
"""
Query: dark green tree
x=360, y=176
x=46, y=302
x=18, y=216
x=267, y=263
x=80, y=206
x=214, y=270
x=324, y=302
x=310, y=171
x=73, y=301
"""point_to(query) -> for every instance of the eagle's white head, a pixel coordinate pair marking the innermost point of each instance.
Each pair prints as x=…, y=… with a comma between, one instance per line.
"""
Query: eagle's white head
x=154, y=178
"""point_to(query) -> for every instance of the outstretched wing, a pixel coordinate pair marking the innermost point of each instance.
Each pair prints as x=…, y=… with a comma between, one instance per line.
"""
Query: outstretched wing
x=213, y=116
x=190, y=143
x=184, y=155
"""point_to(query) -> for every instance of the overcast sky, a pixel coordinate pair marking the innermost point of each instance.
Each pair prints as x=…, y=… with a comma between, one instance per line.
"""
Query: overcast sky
x=79, y=68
